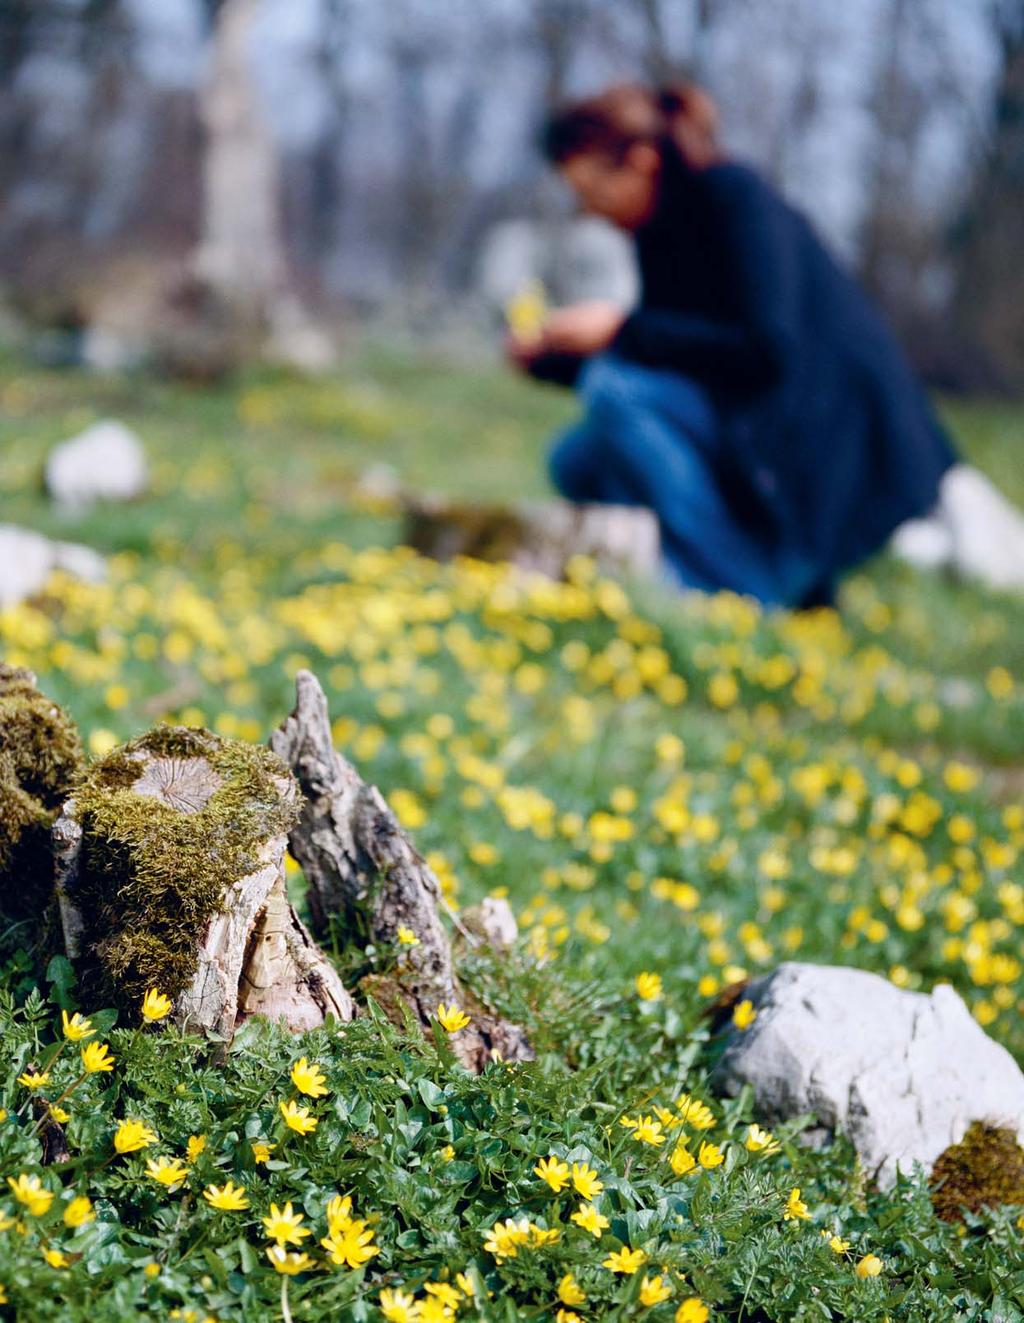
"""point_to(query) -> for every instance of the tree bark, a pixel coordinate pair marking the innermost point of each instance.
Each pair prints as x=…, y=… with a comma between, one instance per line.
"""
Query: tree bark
x=363, y=869
x=132, y=881
x=537, y=537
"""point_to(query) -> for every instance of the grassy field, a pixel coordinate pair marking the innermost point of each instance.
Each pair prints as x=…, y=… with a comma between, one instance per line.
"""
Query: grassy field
x=686, y=788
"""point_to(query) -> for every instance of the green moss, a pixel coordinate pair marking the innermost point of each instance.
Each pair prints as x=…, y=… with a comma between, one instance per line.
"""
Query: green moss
x=985, y=1170
x=152, y=875
x=40, y=756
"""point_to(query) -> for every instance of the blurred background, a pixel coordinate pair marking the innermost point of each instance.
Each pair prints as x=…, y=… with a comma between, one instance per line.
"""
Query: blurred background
x=185, y=183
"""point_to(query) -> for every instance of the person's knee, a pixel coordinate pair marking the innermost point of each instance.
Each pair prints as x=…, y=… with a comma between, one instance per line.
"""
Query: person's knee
x=608, y=384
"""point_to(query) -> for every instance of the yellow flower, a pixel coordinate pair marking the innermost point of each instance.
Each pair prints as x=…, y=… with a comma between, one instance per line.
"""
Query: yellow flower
x=261, y=1150
x=648, y=1131
x=309, y=1079
x=78, y=1212
x=504, y=1238
x=96, y=1057
x=624, y=1260
x=710, y=1155
x=569, y=1291
x=3, y=1295
x=543, y=1235
x=744, y=1015
x=298, y=1118
x=133, y=1135
x=450, y=1018
x=694, y=1113
x=682, y=1160
x=406, y=936
x=196, y=1145
x=648, y=986
x=285, y=1226
x=835, y=1243
x=869, y=1266
x=168, y=1171
x=398, y=1306
x=34, y=1079
x=55, y=1258
x=760, y=1141
x=339, y=1212
x=587, y=1217
x=567, y=1316
x=693, y=1310
x=653, y=1290
x=230, y=1198
x=448, y=1152
x=152, y=1269
x=351, y=1244
x=553, y=1171
x=155, y=1006
x=285, y=1262
x=76, y=1027
x=59, y=1114
x=443, y=1291
x=30, y=1191
x=796, y=1209
x=585, y=1182
x=432, y=1310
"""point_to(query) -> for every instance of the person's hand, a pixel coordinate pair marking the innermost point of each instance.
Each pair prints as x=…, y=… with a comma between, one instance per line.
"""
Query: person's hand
x=521, y=350
x=583, y=328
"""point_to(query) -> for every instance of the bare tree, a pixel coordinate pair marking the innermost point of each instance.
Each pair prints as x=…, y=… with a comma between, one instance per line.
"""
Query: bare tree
x=990, y=286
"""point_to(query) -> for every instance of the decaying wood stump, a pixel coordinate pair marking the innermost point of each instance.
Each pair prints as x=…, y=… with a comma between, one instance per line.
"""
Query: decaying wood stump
x=541, y=537
x=40, y=755
x=170, y=873
x=362, y=868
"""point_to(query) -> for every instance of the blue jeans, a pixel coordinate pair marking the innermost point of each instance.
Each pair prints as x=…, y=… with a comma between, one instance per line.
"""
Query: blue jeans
x=652, y=437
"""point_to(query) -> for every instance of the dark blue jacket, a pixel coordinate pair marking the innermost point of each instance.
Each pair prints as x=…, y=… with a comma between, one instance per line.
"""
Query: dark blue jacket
x=829, y=441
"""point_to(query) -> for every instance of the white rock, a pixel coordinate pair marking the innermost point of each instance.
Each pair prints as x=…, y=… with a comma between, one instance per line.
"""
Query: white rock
x=974, y=532
x=987, y=530
x=902, y=1074
x=106, y=462
x=27, y=559
x=924, y=543
x=493, y=921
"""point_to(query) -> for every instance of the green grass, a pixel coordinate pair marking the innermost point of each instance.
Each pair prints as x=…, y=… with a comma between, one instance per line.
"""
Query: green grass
x=680, y=786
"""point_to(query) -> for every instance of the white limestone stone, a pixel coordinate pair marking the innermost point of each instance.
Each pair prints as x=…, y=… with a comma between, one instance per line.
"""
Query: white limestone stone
x=106, y=462
x=902, y=1074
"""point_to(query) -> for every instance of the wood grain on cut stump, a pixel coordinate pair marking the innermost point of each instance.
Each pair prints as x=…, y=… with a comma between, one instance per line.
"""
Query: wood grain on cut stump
x=362, y=868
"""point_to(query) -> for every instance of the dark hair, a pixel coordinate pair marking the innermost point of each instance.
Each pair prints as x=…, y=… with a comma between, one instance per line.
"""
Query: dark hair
x=683, y=115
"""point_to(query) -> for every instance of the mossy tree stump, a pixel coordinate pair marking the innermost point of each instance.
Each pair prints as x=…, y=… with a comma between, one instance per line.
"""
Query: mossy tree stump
x=40, y=756
x=542, y=537
x=170, y=873
x=363, y=869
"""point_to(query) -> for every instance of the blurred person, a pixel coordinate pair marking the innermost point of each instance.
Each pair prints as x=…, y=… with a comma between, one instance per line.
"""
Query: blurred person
x=754, y=400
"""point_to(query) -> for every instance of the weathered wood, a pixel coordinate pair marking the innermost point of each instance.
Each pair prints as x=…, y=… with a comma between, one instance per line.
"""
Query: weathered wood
x=236, y=939
x=362, y=868
x=622, y=539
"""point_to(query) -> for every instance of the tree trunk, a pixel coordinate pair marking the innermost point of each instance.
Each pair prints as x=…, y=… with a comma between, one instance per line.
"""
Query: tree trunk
x=620, y=538
x=241, y=252
x=241, y=258
x=170, y=874
x=364, y=870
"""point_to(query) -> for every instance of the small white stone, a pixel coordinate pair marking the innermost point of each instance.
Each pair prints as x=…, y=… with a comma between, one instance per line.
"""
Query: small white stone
x=106, y=462
x=27, y=559
x=901, y=1074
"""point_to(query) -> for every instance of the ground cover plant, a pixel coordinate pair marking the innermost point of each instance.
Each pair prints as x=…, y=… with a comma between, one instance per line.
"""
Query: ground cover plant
x=672, y=794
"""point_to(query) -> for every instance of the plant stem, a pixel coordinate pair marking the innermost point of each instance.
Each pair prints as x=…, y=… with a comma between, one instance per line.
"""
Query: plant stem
x=286, y=1313
x=70, y=1089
